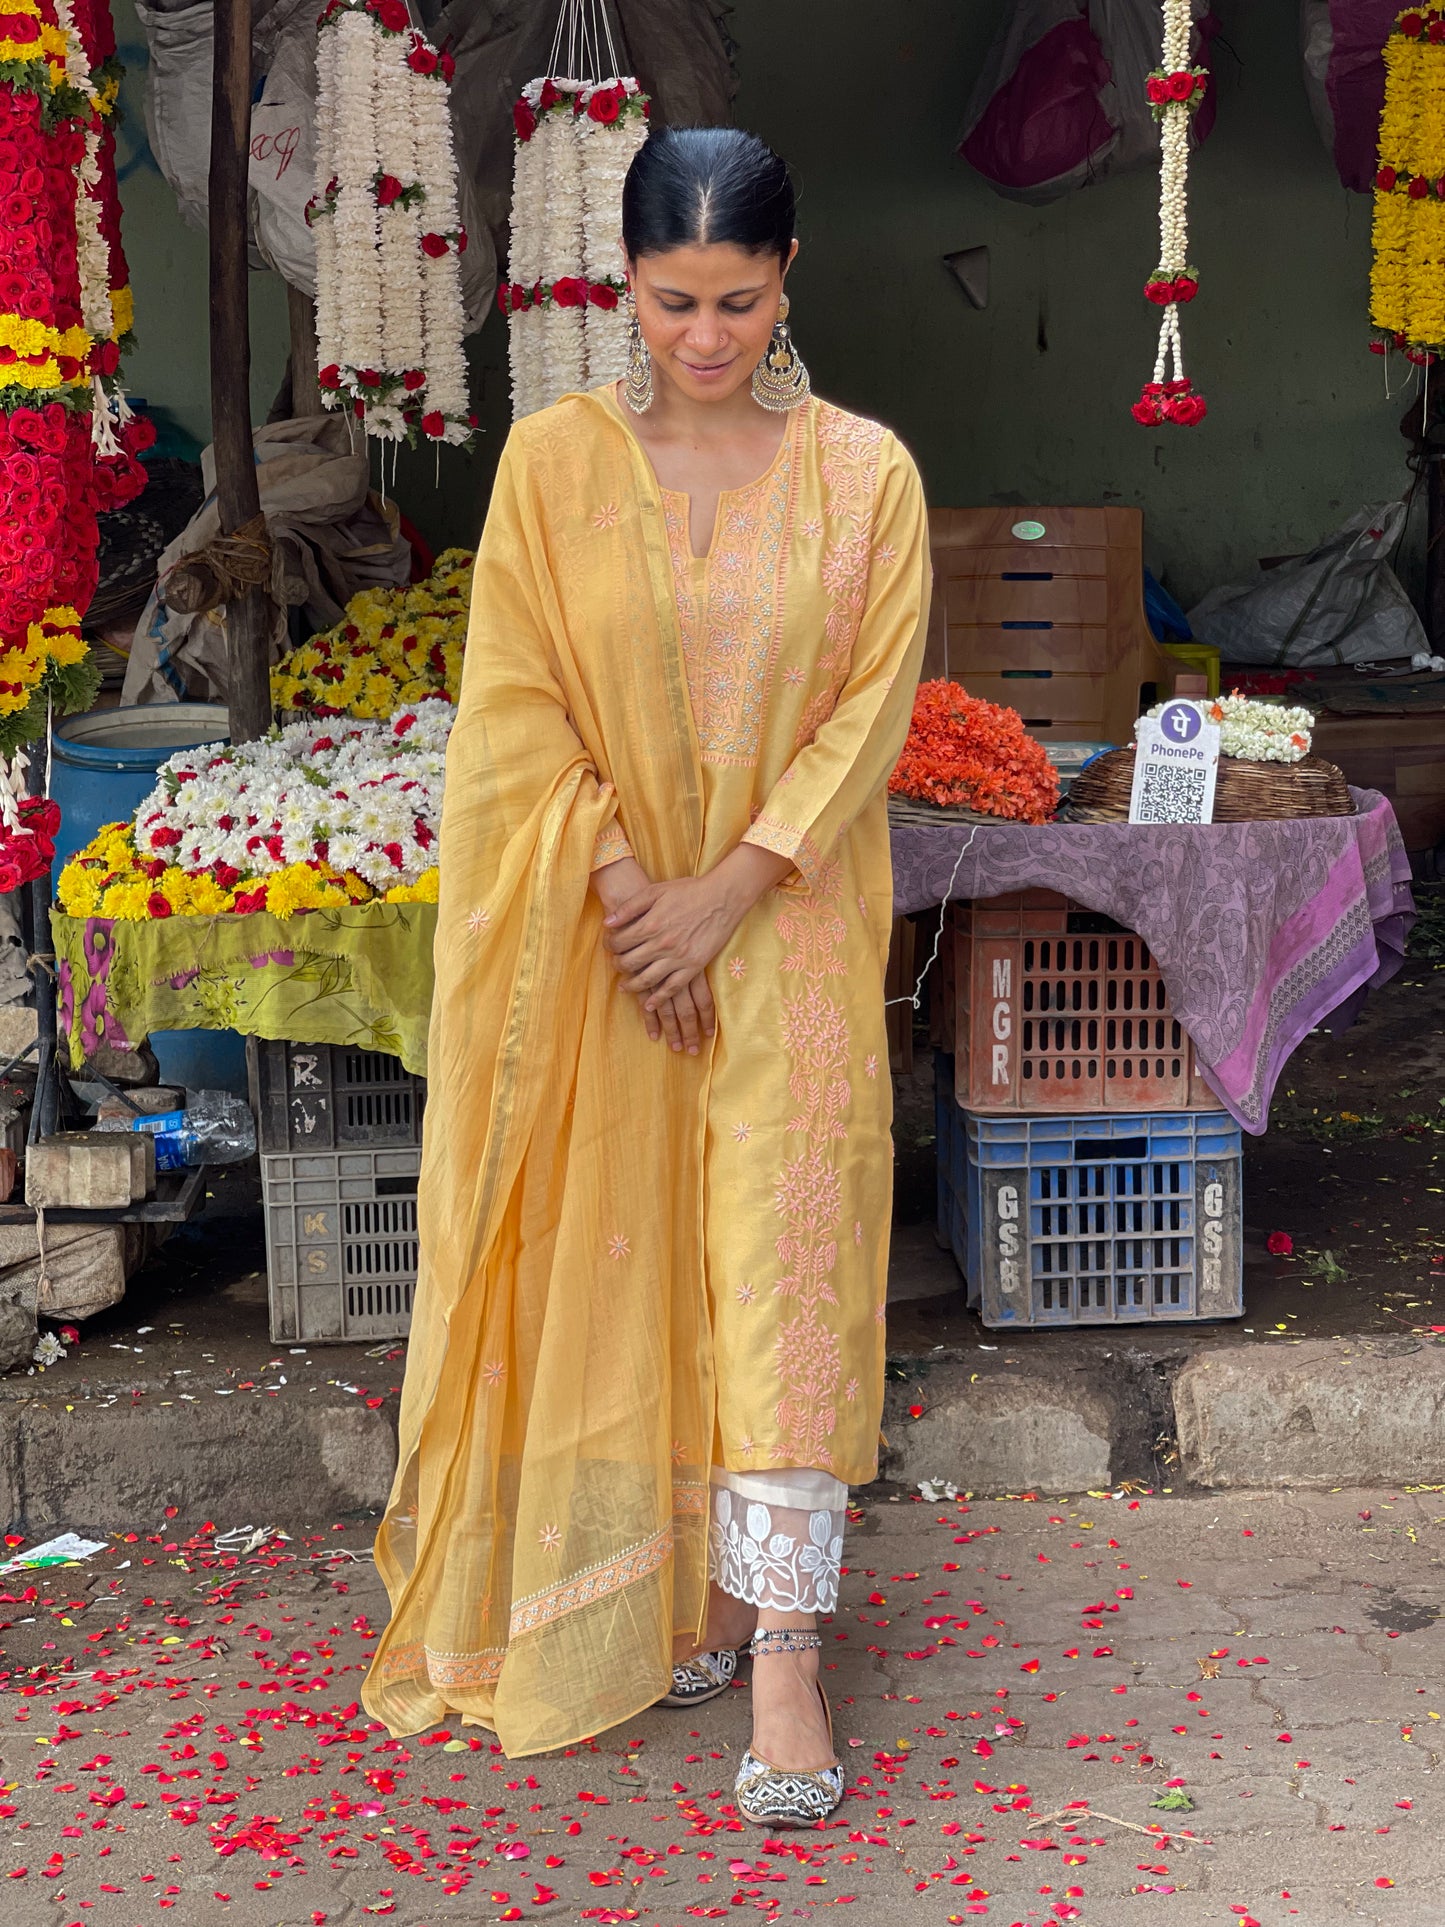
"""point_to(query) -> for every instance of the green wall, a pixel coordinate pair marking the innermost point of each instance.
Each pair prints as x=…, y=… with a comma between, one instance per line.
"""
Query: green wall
x=1029, y=400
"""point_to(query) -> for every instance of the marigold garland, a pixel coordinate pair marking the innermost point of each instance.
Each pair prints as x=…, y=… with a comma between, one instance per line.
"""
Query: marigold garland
x=1407, y=278
x=394, y=647
x=963, y=751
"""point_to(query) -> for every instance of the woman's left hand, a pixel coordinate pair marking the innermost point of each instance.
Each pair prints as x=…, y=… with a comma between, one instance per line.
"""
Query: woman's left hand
x=669, y=933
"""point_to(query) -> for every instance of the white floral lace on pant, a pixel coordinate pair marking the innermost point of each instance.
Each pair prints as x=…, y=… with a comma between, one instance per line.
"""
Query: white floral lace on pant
x=776, y=1538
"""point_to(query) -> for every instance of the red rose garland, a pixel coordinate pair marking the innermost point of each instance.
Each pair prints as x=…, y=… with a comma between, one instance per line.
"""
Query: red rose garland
x=68, y=445
x=1175, y=90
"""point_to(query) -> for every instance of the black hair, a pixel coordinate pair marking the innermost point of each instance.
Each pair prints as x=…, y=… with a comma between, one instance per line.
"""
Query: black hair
x=701, y=186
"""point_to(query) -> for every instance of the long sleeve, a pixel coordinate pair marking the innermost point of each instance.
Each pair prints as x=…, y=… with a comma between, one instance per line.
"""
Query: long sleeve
x=853, y=751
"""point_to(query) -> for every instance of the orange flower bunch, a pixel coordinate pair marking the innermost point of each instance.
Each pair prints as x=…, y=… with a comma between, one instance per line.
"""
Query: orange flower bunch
x=962, y=750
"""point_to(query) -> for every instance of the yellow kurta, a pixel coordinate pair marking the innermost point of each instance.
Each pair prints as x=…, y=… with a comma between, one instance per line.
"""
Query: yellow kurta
x=636, y=1263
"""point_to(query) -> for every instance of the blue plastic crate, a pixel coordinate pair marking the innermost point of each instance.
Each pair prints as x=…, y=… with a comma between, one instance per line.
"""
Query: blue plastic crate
x=1088, y=1220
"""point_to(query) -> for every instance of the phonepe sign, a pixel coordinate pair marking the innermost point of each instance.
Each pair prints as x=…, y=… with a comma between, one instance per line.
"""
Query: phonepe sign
x=1176, y=765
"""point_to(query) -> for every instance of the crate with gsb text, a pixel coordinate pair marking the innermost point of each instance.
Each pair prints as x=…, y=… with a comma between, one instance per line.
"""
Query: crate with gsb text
x=1093, y=1220
x=1048, y=1006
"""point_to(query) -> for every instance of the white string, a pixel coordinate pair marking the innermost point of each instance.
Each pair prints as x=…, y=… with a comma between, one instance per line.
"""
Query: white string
x=917, y=997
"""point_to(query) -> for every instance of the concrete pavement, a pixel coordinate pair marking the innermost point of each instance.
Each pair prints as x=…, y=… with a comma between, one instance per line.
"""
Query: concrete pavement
x=1127, y=1710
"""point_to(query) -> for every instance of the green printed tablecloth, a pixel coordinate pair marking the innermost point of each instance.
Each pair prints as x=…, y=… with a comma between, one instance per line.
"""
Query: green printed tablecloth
x=359, y=976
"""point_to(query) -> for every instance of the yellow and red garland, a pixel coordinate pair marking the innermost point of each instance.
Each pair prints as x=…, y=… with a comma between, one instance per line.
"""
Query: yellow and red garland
x=1407, y=280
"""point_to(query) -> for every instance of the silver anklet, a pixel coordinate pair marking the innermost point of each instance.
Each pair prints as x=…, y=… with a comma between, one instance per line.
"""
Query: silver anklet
x=784, y=1639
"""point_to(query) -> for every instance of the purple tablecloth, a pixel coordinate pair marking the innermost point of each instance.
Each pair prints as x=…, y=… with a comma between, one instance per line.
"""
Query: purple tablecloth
x=1260, y=930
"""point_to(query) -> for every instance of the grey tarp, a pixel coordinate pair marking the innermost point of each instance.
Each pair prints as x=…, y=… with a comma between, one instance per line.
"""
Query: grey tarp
x=330, y=538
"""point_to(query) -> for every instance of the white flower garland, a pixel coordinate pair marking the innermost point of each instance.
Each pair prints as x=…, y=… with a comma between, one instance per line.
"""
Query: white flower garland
x=575, y=143
x=389, y=313
x=1256, y=732
x=1175, y=90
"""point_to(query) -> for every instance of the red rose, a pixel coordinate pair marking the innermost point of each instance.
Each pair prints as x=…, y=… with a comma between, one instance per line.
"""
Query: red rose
x=138, y=435
x=1437, y=31
x=1157, y=89
x=601, y=295
x=393, y=15
x=434, y=425
x=1386, y=179
x=22, y=471
x=1411, y=25
x=1185, y=287
x=524, y=120
x=1419, y=188
x=388, y=190
x=368, y=377
x=551, y=94
x=521, y=297
x=1159, y=291
x=461, y=240
x=1146, y=410
x=1185, y=410
x=449, y=67
x=605, y=104
x=570, y=291
x=330, y=376
x=434, y=246
x=504, y=298
x=1180, y=85
x=53, y=428
x=358, y=409
x=249, y=901
x=22, y=28
x=413, y=379
x=422, y=59
x=1377, y=347
x=157, y=905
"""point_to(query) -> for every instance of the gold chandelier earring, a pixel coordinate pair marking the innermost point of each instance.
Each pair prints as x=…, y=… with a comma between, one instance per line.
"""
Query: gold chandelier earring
x=637, y=388
x=780, y=380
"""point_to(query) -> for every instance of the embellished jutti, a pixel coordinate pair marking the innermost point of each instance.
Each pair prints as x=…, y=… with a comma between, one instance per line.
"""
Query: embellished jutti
x=649, y=1279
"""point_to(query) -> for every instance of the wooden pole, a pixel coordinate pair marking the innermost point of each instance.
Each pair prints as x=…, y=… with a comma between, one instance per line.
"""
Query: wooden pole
x=305, y=388
x=248, y=616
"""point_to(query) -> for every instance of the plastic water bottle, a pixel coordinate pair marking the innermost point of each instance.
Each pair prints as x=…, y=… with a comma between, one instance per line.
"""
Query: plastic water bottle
x=214, y=1128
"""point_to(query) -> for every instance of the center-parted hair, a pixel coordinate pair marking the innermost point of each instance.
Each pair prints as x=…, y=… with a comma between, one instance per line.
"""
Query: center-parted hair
x=702, y=186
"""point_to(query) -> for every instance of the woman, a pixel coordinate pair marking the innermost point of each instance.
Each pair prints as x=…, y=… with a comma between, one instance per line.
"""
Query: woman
x=655, y=1198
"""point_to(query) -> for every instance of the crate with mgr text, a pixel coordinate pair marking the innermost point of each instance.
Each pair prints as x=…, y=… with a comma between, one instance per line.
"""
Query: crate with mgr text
x=1051, y=1007
x=325, y=1097
x=1095, y=1220
x=341, y=1242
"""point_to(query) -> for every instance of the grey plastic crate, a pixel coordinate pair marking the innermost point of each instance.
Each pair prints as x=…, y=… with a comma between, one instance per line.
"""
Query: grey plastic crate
x=323, y=1097
x=1097, y=1219
x=341, y=1242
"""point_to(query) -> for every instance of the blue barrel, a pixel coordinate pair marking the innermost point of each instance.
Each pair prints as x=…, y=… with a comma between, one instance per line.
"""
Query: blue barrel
x=102, y=767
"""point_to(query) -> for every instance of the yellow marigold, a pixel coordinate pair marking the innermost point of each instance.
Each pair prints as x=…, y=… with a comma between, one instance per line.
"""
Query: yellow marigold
x=204, y=897
x=424, y=890
x=122, y=311
x=127, y=900
x=79, y=890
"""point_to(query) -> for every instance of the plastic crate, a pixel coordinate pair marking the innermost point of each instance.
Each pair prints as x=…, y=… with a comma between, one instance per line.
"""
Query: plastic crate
x=324, y=1097
x=341, y=1242
x=1051, y=1007
x=1095, y=1220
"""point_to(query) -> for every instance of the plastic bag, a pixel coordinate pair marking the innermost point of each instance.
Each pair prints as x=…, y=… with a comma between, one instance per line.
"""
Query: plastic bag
x=1340, y=603
x=1060, y=101
x=1344, y=64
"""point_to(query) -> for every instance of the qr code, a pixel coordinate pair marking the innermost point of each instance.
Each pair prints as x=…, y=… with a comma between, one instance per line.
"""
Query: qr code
x=1172, y=795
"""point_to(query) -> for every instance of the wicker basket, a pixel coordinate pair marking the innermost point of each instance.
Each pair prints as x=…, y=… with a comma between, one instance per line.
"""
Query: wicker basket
x=908, y=809
x=1244, y=792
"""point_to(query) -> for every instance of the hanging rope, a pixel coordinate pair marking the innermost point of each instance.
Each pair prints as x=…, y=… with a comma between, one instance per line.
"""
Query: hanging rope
x=221, y=571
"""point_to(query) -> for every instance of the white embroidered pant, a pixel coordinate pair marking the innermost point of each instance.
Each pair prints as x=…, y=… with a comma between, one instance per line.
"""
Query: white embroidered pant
x=776, y=1538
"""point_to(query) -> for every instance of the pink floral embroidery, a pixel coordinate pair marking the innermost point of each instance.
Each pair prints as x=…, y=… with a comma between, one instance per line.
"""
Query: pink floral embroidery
x=606, y=517
x=495, y=1372
x=870, y=1065
x=619, y=1247
x=742, y=1132
x=850, y=447
x=809, y=1193
x=731, y=623
x=478, y=921
x=813, y=528
x=745, y=1294
x=885, y=555
x=549, y=1539
x=737, y=968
